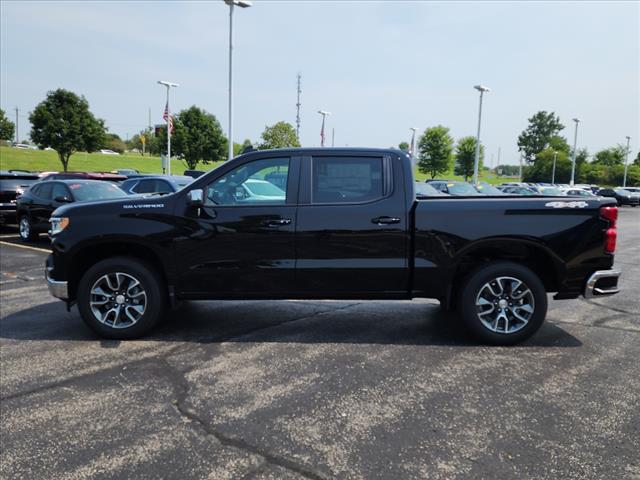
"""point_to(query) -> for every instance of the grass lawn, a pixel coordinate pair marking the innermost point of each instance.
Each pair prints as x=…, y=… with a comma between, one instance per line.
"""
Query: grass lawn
x=47, y=161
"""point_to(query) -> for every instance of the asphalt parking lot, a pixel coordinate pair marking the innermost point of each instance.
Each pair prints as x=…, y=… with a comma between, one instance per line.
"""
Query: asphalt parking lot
x=331, y=389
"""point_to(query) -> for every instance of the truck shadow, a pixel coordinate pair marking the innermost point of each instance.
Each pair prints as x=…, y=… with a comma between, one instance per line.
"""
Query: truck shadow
x=340, y=322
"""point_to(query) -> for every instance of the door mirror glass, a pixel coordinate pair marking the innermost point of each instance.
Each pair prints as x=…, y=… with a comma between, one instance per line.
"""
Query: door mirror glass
x=195, y=198
x=62, y=199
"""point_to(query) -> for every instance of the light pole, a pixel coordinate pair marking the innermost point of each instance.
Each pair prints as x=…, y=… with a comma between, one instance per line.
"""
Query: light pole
x=167, y=117
x=573, y=157
x=626, y=161
x=476, y=163
x=324, y=115
x=241, y=4
x=553, y=172
x=412, y=147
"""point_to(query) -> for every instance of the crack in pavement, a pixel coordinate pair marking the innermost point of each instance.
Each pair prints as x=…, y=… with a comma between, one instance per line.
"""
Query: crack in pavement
x=181, y=387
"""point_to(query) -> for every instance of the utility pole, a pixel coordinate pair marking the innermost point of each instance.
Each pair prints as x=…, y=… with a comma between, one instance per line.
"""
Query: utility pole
x=553, y=172
x=333, y=137
x=17, y=136
x=626, y=161
x=412, y=146
x=298, y=108
x=498, y=164
x=573, y=157
x=520, y=172
x=149, y=118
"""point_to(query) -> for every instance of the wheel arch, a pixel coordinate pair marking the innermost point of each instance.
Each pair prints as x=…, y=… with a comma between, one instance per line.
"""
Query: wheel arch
x=89, y=255
x=531, y=254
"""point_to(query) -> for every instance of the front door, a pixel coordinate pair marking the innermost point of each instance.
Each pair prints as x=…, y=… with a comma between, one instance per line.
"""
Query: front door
x=241, y=242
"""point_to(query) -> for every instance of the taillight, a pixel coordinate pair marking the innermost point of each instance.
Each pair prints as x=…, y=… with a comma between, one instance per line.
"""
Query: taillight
x=610, y=235
x=610, y=240
x=610, y=214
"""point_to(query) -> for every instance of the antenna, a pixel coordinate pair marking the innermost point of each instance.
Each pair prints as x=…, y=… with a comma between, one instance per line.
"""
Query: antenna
x=298, y=108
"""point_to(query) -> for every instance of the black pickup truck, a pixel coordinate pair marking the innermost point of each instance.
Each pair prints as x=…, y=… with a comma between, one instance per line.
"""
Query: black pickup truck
x=330, y=224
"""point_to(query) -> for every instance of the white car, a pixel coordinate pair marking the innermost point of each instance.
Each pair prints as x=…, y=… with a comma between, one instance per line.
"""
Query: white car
x=106, y=151
x=578, y=192
x=254, y=189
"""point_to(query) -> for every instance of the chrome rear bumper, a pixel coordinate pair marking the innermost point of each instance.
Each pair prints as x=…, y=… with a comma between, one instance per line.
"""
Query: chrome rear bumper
x=56, y=288
x=601, y=283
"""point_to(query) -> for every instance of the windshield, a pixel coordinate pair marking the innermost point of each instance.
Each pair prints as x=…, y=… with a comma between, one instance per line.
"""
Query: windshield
x=461, y=188
x=95, y=191
x=622, y=191
x=487, y=189
x=264, y=188
x=426, y=190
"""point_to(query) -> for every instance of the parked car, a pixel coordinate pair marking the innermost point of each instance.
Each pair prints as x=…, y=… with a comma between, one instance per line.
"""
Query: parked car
x=155, y=185
x=453, y=187
x=515, y=190
x=106, y=151
x=348, y=226
x=551, y=192
x=194, y=173
x=632, y=189
x=425, y=190
x=127, y=172
x=35, y=206
x=13, y=183
x=109, y=177
x=622, y=196
x=578, y=192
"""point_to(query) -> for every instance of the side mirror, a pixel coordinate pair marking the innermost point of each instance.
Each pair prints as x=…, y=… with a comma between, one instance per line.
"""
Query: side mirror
x=195, y=198
x=62, y=199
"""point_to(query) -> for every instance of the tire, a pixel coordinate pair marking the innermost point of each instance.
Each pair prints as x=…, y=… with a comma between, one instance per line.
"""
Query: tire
x=511, y=316
x=26, y=231
x=121, y=298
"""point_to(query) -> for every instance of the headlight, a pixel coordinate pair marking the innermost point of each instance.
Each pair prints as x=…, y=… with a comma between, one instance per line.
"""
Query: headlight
x=58, y=224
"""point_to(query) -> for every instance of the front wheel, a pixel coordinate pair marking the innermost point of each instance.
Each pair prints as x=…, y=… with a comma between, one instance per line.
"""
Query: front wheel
x=26, y=230
x=121, y=298
x=503, y=303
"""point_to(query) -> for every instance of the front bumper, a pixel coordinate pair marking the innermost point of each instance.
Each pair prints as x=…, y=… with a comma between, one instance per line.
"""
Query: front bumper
x=56, y=288
x=602, y=283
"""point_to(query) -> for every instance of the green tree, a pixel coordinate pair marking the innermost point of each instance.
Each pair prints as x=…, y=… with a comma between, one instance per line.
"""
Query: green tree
x=280, y=135
x=238, y=148
x=466, y=156
x=404, y=146
x=63, y=122
x=435, y=151
x=542, y=169
x=197, y=137
x=7, y=128
x=539, y=133
x=610, y=156
x=637, y=160
x=114, y=142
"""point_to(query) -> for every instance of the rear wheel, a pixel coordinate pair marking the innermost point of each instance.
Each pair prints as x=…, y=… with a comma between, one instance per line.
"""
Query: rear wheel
x=503, y=303
x=121, y=298
x=25, y=228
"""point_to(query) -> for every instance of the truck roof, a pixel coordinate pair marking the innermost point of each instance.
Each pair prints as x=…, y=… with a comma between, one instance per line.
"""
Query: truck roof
x=326, y=151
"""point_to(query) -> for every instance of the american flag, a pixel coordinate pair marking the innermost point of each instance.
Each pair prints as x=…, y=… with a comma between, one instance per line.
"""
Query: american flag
x=167, y=114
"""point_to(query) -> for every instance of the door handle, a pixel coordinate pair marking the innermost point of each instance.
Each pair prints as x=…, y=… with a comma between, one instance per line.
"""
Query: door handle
x=385, y=220
x=277, y=223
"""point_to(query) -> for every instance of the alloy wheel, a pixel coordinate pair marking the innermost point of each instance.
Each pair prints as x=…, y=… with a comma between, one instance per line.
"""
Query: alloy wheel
x=118, y=300
x=505, y=305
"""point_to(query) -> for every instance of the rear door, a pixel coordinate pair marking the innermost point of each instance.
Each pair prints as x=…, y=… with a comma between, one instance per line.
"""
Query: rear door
x=41, y=207
x=351, y=237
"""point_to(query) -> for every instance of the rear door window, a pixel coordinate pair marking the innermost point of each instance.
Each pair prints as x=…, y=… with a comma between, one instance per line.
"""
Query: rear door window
x=145, y=186
x=346, y=179
x=44, y=192
x=60, y=190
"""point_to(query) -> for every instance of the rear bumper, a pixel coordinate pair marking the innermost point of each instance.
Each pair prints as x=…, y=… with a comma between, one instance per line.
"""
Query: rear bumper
x=602, y=283
x=57, y=288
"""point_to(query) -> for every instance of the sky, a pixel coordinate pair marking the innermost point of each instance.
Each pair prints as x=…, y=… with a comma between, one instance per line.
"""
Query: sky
x=378, y=67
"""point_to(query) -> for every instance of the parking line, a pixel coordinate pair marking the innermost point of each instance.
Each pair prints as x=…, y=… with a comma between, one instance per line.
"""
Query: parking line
x=9, y=235
x=25, y=246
